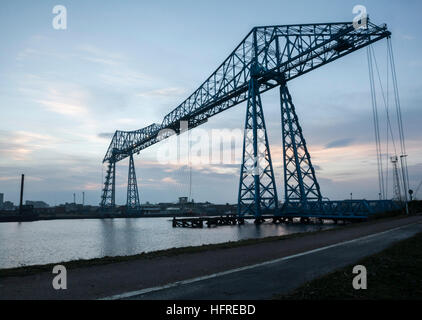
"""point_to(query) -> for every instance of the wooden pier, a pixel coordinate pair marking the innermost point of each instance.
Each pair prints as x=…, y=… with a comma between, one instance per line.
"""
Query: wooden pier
x=208, y=221
x=200, y=222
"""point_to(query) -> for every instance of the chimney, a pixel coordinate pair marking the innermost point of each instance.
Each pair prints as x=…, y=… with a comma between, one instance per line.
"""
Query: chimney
x=21, y=198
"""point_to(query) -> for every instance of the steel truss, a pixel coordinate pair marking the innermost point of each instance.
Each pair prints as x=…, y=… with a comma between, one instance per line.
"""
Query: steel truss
x=269, y=56
x=132, y=203
x=290, y=50
x=346, y=209
x=108, y=198
x=300, y=182
x=257, y=189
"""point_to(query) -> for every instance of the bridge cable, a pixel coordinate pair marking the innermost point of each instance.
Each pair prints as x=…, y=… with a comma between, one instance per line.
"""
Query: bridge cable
x=385, y=96
x=373, y=67
x=376, y=122
x=403, y=156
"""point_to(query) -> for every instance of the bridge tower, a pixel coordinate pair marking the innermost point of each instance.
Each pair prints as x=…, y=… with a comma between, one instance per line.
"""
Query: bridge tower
x=257, y=188
x=132, y=188
x=108, y=198
x=300, y=182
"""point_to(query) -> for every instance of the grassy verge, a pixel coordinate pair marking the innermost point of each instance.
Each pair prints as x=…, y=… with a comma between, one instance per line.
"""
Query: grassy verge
x=33, y=269
x=395, y=273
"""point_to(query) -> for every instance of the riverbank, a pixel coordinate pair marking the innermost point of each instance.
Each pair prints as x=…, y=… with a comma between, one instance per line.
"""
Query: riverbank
x=33, y=269
x=395, y=274
x=15, y=217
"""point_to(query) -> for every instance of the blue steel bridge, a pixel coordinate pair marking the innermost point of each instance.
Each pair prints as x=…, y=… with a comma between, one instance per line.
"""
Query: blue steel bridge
x=267, y=58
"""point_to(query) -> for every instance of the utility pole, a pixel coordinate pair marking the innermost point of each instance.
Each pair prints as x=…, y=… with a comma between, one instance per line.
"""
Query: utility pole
x=74, y=198
x=83, y=198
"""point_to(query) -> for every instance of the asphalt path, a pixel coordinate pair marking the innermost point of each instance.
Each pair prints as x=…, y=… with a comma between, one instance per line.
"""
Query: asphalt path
x=263, y=281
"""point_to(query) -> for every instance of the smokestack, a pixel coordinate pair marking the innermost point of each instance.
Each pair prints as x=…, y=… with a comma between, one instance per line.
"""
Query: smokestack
x=21, y=199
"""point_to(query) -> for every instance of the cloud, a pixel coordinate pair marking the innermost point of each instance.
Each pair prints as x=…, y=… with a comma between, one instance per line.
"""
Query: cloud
x=8, y=178
x=165, y=92
x=94, y=54
x=126, y=120
x=64, y=108
x=106, y=135
x=339, y=143
x=407, y=37
x=169, y=180
x=92, y=186
x=18, y=145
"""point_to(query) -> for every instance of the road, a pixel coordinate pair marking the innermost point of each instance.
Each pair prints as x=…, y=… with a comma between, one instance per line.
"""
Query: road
x=249, y=272
x=264, y=280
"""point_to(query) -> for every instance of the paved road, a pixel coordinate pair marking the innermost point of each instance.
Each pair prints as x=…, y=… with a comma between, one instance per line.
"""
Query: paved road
x=119, y=278
x=265, y=280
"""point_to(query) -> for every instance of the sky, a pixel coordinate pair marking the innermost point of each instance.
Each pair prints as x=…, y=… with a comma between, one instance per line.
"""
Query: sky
x=122, y=65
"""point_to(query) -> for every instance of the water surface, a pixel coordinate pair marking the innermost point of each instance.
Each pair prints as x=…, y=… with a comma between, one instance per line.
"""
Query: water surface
x=41, y=242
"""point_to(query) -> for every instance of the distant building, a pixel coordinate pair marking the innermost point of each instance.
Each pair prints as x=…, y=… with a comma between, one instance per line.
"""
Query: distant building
x=148, y=210
x=8, y=206
x=183, y=200
x=37, y=204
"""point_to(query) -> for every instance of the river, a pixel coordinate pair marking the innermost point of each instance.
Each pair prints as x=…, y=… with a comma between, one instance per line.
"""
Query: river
x=52, y=241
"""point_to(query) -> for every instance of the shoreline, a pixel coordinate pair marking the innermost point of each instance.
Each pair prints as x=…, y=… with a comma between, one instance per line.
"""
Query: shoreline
x=72, y=264
x=32, y=218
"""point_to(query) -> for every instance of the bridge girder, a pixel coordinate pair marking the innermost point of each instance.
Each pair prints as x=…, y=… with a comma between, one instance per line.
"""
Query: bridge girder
x=282, y=53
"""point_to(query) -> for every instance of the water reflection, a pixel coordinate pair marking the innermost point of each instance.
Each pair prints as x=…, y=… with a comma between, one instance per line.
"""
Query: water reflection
x=54, y=241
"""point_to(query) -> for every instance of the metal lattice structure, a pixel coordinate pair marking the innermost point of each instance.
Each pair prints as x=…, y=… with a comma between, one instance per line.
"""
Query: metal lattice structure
x=257, y=189
x=268, y=57
x=108, y=199
x=132, y=203
x=300, y=182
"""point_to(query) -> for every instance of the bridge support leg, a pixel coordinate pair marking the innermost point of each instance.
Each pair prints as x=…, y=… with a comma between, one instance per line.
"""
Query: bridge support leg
x=132, y=202
x=108, y=198
x=257, y=189
x=300, y=182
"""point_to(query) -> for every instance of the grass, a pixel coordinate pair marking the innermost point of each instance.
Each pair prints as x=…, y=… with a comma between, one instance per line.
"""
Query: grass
x=393, y=274
x=34, y=269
